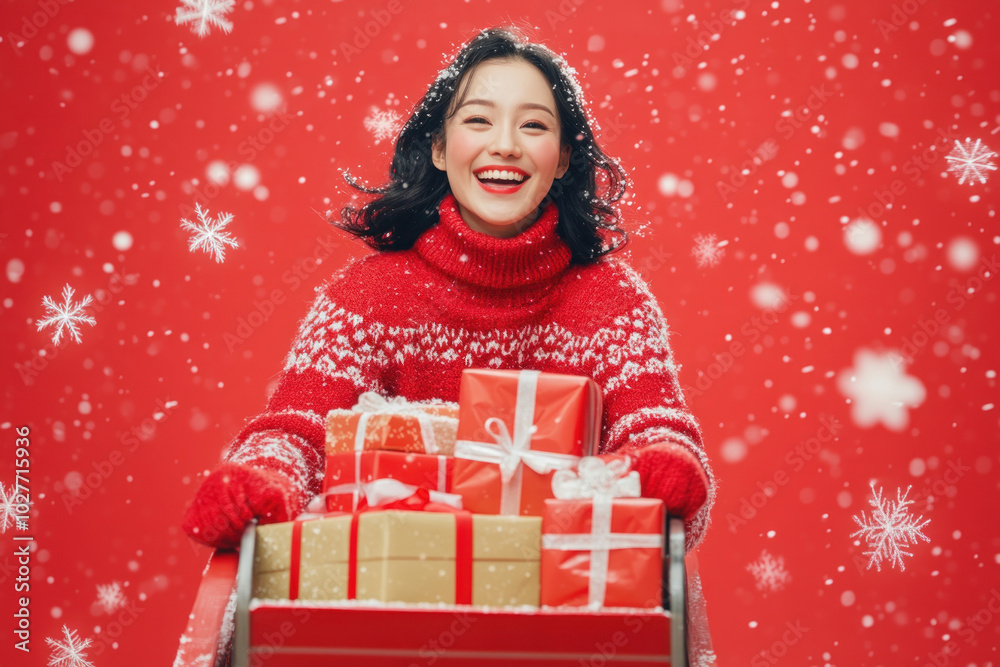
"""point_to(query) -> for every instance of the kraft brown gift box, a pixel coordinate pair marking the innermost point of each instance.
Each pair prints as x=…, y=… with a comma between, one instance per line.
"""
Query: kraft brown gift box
x=403, y=556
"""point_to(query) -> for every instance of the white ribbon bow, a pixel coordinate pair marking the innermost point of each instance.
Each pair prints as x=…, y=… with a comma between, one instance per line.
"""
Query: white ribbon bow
x=595, y=478
x=510, y=452
x=602, y=482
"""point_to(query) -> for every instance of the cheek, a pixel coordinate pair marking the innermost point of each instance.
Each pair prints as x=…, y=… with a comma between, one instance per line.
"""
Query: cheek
x=462, y=149
x=545, y=155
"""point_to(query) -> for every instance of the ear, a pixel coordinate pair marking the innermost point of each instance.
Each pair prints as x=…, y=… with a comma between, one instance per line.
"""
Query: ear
x=564, y=152
x=437, y=153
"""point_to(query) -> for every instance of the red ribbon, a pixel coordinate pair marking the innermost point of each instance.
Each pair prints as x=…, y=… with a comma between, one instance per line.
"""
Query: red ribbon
x=418, y=502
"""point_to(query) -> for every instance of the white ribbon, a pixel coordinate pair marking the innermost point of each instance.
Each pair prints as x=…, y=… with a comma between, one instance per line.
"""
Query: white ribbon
x=595, y=478
x=602, y=482
x=384, y=487
x=384, y=491
x=372, y=403
x=510, y=452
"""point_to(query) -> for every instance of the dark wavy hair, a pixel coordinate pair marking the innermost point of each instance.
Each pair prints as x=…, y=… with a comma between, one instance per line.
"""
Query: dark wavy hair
x=408, y=204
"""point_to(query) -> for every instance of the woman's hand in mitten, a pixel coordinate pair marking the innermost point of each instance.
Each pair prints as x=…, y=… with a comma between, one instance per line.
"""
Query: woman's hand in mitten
x=232, y=495
x=675, y=475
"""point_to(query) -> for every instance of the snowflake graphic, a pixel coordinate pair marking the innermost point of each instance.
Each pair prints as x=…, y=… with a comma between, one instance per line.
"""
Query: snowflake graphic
x=769, y=572
x=110, y=597
x=203, y=15
x=382, y=124
x=69, y=653
x=8, y=513
x=889, y=528
x=708, y=250
x=67, y=315
x=208, y=234
x=971, y=161
x=880, y=390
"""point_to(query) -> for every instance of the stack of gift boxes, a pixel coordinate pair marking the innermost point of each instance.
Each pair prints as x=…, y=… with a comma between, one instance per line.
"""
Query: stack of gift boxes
x=495, y=502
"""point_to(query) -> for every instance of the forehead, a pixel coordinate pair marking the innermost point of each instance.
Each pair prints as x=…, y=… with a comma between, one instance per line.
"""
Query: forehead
x=506, y=81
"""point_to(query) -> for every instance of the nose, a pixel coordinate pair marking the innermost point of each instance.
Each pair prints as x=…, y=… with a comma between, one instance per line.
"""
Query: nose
x=504, y=141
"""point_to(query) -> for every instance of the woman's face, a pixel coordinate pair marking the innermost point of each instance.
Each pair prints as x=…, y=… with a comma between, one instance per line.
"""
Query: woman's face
x=507, y=123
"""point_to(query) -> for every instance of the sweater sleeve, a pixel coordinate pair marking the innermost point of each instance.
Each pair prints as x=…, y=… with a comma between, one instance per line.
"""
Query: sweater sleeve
x=643, y=402
x=330, y=364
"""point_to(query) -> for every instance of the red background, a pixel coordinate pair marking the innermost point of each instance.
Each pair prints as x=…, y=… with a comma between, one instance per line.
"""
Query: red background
x=162, y=338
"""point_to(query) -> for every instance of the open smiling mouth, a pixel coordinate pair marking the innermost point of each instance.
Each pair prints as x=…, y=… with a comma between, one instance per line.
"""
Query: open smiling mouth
x=501, y=182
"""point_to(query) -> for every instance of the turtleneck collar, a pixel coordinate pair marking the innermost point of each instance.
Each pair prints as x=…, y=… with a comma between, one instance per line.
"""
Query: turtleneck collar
x=534, y=255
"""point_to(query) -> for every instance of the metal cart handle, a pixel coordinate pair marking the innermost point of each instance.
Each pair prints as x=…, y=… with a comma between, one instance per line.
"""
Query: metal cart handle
x=675, y=581
x=244, y=587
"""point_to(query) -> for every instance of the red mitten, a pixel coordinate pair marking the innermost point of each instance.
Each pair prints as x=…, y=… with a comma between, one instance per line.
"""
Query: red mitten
x=675, y=475
x=231, y=496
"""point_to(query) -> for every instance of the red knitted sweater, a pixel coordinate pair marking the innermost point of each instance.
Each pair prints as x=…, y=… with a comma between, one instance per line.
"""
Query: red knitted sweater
x=406, y=323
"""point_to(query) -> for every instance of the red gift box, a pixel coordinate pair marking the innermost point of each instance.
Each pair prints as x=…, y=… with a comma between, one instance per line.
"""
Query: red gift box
x=603, y=552
x=346, y=474
x=515, y=428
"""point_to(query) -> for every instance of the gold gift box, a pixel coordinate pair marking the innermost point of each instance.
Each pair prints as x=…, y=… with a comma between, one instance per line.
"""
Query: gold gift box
x=403, y=557
x=398, y=432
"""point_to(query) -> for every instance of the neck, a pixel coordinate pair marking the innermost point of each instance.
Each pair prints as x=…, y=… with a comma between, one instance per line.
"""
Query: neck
x=465, y=254
x=498, y=231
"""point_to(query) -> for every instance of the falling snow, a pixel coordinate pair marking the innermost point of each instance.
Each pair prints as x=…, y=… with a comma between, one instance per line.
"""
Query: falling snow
x=880, y=390
x=889, y=528
x=110, y=597
x=382, y=124
x=971, y=161
x=708, y=250
x=69, y=653
x=203, y=15
x=8, y=513
x=67, y=315
x=769, y=572
x=208, y=234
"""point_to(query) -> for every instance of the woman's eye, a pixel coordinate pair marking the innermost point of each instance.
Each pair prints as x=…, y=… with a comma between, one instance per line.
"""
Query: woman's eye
x=534, y=124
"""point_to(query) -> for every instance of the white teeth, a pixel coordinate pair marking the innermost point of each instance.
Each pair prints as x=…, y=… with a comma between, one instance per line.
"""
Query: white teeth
x=500, y=174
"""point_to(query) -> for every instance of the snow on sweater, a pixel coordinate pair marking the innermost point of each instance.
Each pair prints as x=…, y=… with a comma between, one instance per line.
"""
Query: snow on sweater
x=406, y=323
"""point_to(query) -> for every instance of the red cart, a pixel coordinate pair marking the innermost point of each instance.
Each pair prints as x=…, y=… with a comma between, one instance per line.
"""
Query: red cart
x=228, y=628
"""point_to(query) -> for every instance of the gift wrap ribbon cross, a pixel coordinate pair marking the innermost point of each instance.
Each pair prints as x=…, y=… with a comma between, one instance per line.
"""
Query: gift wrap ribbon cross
x=420, y=500
x=601, y=482
x=371, y=404
x=511, y=452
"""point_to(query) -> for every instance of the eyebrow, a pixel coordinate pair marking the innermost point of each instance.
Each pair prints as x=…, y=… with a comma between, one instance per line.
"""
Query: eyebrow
x=526, y=105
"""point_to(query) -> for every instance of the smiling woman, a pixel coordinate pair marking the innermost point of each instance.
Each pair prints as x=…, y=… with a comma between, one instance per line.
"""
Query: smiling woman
x=502, y=104
x=502, y=149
